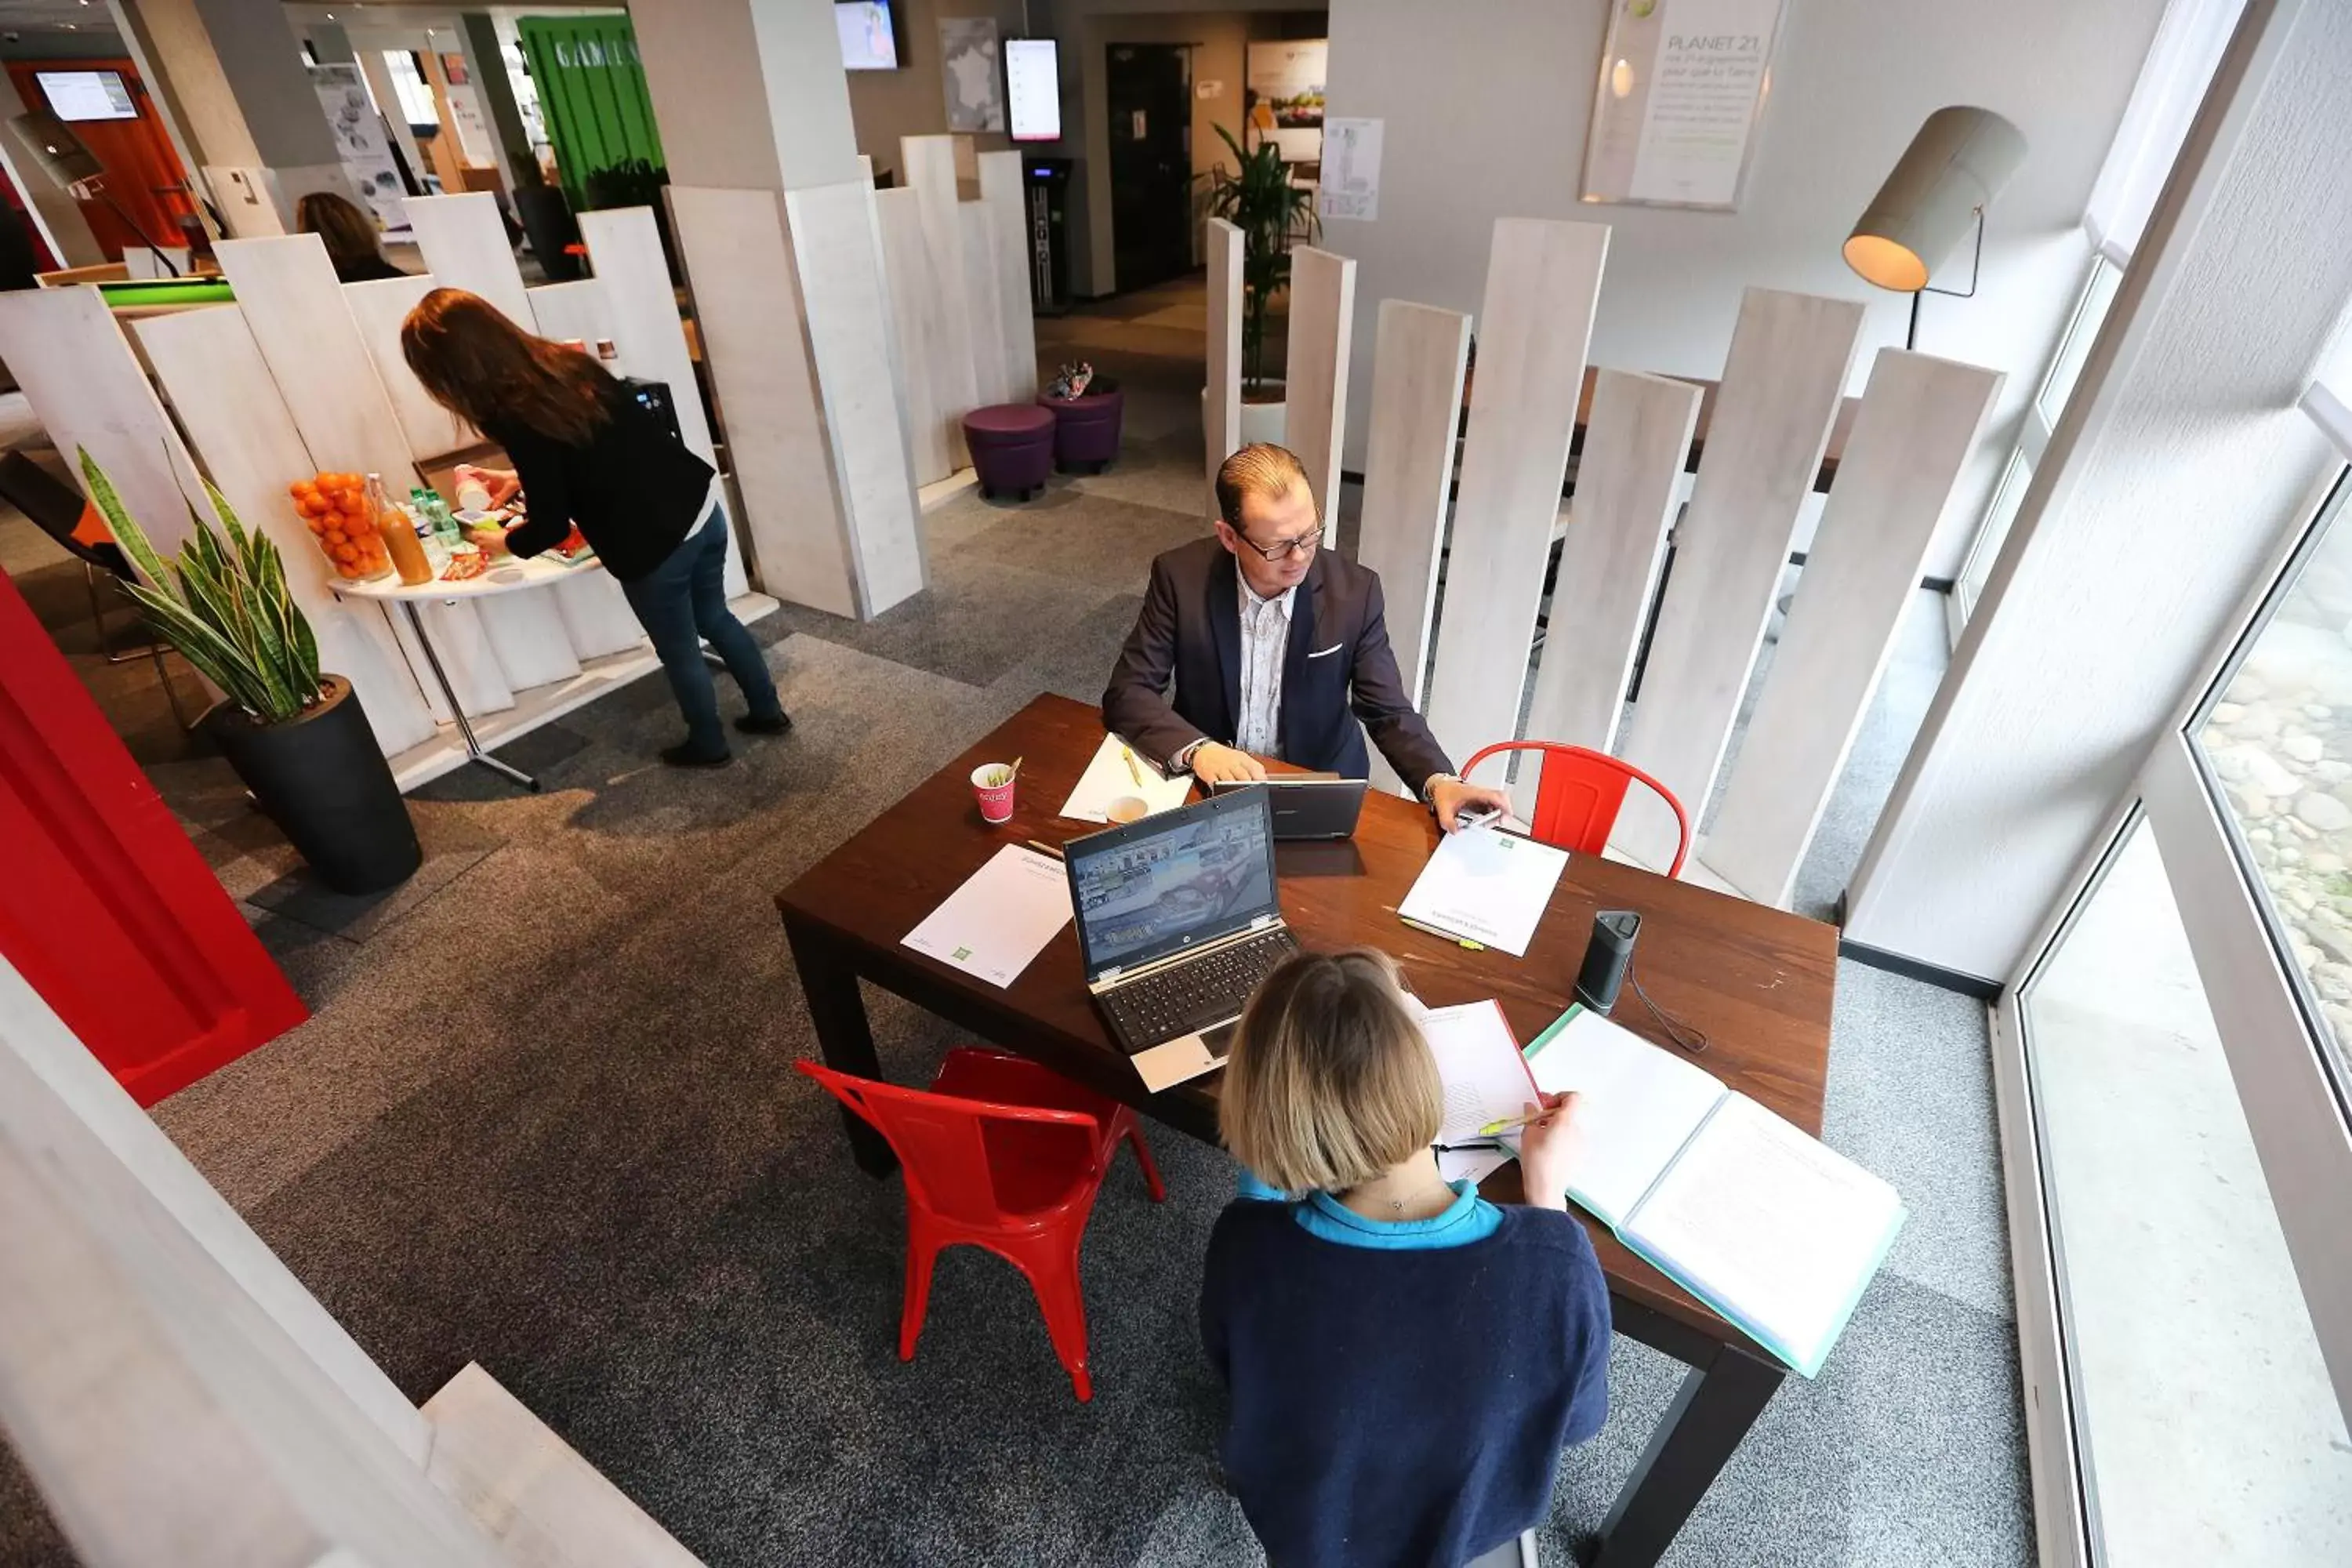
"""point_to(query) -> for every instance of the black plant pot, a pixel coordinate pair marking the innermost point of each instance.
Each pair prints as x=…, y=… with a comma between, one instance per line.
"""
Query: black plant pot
x=322, y=779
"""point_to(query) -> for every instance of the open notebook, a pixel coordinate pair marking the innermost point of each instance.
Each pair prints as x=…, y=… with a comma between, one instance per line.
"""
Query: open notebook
x=1767, y=1225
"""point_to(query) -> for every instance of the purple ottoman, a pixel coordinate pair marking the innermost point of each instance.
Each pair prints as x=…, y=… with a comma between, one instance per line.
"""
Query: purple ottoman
x=1012, y=447
x=1086, y=430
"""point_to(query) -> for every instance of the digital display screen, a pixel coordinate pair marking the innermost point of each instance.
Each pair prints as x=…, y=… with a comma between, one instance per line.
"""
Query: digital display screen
x=86, y=95
x=1208, y=872
x=868, y=41
x=1033, y=82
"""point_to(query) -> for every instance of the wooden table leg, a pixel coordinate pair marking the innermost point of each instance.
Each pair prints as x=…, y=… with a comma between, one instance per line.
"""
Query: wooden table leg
x=839, y=1011
x=1711, y=1412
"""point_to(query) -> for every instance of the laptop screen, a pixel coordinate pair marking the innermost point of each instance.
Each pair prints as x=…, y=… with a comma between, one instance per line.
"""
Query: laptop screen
x=1172, y=880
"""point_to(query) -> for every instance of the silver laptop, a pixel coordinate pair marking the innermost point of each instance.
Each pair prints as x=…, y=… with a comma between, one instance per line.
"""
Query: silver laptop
x=1178, y=921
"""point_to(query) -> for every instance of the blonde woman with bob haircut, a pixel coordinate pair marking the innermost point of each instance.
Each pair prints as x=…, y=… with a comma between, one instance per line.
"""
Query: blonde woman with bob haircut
x=1406, y=1361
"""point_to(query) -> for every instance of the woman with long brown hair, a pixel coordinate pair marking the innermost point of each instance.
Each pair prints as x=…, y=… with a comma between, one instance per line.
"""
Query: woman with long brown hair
x=586, y=453
x=350, y=234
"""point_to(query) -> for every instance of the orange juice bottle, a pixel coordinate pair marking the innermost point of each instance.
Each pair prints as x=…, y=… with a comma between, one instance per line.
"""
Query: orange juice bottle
x=399, y=537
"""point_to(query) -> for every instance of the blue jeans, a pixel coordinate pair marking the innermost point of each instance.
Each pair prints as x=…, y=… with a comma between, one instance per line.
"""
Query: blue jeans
x=685, y=597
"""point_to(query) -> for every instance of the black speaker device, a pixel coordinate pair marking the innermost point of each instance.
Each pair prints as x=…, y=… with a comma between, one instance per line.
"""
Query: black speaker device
x=1607, y=957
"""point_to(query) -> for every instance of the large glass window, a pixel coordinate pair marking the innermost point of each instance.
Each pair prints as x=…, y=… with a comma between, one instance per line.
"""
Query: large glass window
x=415, y=92
x=2207, y=1428
x=2006, y=496
x=2279, y=740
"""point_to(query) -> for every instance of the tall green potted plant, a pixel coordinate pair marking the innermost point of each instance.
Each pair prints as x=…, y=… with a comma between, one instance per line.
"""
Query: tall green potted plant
x=297, y=738
x=1259, y=199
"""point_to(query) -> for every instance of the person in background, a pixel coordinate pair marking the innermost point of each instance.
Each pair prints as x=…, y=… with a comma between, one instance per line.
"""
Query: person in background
x=352, y=243
x=585, y=453
x=1277, y=647
x=1406, y=1361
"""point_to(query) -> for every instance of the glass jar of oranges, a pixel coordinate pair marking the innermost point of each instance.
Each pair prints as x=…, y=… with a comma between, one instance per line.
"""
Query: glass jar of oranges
x=335, y=508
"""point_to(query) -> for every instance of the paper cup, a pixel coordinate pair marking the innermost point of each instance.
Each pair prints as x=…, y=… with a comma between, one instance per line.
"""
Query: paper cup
x=1128, y=808
x=996, y=799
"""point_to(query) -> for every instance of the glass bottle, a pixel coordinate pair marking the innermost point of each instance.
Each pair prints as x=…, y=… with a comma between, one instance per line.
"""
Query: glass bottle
x=399, y=535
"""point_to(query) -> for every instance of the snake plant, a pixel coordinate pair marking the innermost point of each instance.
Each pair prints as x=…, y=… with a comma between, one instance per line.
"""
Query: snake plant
x=223, y=603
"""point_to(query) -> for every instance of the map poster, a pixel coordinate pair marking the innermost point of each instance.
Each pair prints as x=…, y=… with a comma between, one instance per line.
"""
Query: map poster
x=361, y=143
x=1283, y=97
x=976, y=82
x=1682, y=85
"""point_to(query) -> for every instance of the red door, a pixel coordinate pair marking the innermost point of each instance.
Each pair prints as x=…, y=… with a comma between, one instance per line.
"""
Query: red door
x=106, y=908
x=143, y=175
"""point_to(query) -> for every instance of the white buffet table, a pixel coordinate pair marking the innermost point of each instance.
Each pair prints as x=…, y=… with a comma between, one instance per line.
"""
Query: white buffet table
x=533, y=707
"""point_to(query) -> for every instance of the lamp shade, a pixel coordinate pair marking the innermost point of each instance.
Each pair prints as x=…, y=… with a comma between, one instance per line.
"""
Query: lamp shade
x=1957, y=164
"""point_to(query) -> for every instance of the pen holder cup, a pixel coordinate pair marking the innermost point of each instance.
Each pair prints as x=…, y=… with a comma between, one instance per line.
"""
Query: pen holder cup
x=993, y=783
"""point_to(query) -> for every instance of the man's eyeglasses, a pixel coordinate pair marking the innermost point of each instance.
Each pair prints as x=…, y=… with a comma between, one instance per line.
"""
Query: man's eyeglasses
x=1302, y=545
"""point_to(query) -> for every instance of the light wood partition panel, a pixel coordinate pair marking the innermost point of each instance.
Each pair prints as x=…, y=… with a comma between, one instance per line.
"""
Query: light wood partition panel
x=87, y=389
x=576, y=311
x=212, y=370
x=838, y=239
x=1543, y=280
x=625, y=245
x=747, y=298
x=1919, y=422
x=1634, y=443
x=307, y=336
x=1004, y=192
x=1315, y=380
x=929, y=164
x=379, y=307
x=1417, y=365
x=1781, y=385
x=1221, y=415
x=991, y=384
x=465, y=245
x=918, y=307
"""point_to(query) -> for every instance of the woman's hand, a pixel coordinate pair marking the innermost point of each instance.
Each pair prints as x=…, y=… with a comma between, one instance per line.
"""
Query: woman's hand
x=492, y=539
x=501, y=483
x=1548, y=1147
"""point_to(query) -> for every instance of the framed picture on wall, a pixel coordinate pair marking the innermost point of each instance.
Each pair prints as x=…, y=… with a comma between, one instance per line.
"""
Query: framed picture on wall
x=1683, y=84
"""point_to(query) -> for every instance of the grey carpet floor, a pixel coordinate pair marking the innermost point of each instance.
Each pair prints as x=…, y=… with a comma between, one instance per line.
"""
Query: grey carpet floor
x=543, y=1118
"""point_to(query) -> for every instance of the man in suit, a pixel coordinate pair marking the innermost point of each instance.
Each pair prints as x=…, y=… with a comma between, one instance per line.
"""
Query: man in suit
x=1278, y=648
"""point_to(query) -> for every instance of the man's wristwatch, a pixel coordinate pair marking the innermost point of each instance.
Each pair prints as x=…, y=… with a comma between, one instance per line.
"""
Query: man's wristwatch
x=1181, y=763
x=1429, y=788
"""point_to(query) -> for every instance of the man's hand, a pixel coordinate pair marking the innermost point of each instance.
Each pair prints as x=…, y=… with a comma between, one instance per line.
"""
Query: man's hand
x=1548, y=1147
x=1450, y=797
x=1213, y=764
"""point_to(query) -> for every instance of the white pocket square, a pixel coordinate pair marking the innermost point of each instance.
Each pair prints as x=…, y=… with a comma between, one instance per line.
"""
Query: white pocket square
x=1319, y=652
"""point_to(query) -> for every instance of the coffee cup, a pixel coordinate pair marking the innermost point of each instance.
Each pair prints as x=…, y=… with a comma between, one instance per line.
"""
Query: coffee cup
x=993, y=783
x=1128, y=808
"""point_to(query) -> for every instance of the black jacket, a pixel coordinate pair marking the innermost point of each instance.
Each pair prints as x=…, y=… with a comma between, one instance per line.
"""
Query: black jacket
x=634, y=490
x=1339, y=668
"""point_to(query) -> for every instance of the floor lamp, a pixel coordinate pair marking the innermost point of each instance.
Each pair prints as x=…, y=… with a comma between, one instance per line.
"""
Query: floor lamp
x=1951, y=172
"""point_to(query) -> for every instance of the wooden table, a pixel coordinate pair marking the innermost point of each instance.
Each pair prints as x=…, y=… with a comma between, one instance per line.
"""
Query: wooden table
x=1756, y=981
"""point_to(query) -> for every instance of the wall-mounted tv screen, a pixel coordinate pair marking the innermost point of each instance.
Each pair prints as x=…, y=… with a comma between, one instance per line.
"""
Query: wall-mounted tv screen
x=86, y=95
x=870, y=38
x=1032, y=84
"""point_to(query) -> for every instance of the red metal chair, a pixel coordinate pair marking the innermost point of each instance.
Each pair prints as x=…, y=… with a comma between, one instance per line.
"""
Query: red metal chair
x=1578, y=795
x=1001, y=1154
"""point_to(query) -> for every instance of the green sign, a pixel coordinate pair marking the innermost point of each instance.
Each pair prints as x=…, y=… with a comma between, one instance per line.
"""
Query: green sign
x=592, y=89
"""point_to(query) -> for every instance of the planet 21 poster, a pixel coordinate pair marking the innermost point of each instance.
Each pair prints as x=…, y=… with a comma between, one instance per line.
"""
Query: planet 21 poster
x=1683, y=84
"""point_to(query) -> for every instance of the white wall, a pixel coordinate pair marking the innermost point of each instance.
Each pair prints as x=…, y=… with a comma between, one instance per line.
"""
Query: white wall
x=1488, y=101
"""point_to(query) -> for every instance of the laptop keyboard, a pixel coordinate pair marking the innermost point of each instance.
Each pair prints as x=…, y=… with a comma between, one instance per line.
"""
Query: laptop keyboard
x=1192, y=995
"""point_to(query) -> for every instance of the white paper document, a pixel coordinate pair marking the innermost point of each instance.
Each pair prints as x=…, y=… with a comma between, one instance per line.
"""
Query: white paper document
x=1107, y=777
x=1767, y=1224
x=1782, y=1231
x=1001, y=918
x=1640, y=1105
x=1485, y=1082
x=1488, y=885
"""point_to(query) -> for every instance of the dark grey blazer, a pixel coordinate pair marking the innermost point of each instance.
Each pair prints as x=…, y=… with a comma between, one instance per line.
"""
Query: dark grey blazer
x=1339, y=669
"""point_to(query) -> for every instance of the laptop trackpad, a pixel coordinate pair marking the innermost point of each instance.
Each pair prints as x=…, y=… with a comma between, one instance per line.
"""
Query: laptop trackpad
x=1172, y=1062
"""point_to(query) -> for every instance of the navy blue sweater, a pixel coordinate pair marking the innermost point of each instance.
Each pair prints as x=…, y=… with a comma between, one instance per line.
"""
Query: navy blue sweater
x=1402, y=1407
